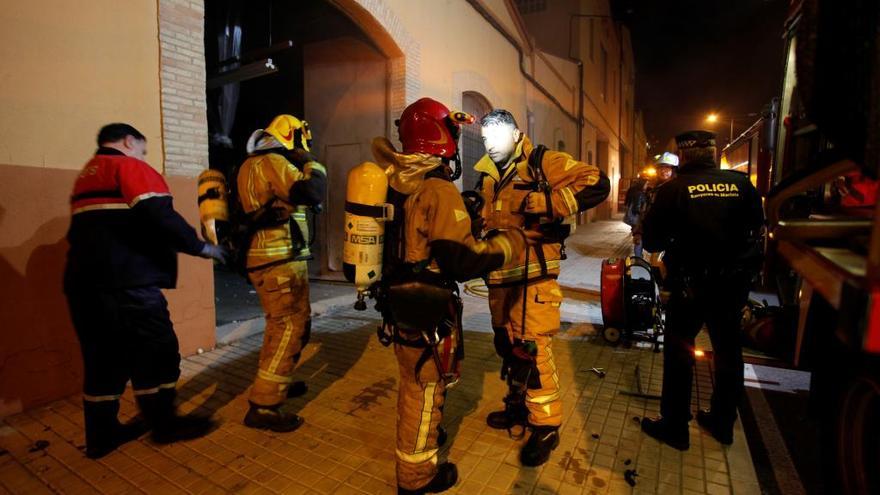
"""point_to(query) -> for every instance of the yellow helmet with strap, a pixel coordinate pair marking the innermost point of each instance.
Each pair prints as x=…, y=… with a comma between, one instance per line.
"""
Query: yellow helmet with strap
x=290, y=131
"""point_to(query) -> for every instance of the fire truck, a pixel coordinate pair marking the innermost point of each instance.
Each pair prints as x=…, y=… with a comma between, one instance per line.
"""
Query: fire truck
x=815, y=156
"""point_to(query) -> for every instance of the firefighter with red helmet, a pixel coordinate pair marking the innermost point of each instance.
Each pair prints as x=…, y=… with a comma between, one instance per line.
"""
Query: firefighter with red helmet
x=428, y=247
x=529, y=187
x=275, y=184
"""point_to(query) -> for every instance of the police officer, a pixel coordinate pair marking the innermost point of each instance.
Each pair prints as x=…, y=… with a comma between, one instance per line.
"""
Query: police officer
x=529, y=187
x=275, y=184
x=124, y=238
x=708, y=221
x=428, y=248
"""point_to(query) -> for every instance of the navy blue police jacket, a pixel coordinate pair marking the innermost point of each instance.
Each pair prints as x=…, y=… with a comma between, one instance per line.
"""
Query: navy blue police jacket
x=705, y=219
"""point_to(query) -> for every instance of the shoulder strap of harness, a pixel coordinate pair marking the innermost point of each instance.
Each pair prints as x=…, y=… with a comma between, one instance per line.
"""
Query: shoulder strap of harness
x=536, y=166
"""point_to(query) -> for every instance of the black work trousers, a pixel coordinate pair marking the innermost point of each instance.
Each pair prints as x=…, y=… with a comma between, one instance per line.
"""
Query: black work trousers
x=716, y=301
x=124, y=334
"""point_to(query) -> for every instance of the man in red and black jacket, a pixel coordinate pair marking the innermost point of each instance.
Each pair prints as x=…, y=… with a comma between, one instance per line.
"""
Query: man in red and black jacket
x=124, y=238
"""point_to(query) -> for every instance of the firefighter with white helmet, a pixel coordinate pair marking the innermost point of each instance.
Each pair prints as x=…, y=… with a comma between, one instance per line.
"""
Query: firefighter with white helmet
x=428, y=247
x=278, y=180
x=666, y=167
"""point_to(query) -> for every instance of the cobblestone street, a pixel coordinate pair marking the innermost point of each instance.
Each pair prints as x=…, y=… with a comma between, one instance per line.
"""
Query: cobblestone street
x=347, y=442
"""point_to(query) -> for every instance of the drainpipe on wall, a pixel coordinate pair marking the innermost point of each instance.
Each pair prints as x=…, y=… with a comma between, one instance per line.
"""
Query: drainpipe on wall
x=580, y=64
x=619, y=102
x=478, y=6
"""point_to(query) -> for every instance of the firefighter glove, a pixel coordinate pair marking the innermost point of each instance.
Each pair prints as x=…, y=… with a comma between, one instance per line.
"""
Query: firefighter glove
x=535, y=203
x=219, y=253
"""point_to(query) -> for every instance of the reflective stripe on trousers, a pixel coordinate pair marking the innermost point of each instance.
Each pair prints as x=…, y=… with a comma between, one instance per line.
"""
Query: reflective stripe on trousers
x=284, y=294
x=541, y=324
x=419, y=412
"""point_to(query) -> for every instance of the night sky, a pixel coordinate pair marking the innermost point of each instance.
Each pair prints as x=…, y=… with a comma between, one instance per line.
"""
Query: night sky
x=698, y=56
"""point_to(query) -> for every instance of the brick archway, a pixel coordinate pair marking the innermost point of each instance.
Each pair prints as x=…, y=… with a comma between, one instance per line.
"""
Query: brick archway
x=182, y=74
x=384, y=28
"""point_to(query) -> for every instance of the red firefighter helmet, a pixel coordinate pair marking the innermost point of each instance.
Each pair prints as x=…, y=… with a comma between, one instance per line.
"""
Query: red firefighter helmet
x=428, y=126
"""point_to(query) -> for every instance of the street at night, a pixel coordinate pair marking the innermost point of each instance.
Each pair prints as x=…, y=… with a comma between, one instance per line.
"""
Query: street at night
x=461, y=246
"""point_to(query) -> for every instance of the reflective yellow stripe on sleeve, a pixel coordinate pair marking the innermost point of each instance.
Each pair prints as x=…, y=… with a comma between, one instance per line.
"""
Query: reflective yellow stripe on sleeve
x=570, y=201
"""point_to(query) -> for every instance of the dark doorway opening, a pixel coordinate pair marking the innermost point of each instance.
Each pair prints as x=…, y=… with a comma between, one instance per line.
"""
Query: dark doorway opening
x=324, y=69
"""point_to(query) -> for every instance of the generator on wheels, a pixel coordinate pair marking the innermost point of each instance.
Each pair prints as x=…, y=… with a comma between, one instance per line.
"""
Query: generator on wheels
x=631, y=305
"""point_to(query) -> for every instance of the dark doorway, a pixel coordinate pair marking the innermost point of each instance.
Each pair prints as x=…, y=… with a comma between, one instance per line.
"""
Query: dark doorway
x=471, y=141
x=327, y=72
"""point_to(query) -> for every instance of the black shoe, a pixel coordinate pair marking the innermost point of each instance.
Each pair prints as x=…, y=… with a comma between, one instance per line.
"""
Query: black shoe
x=297, y=389
x=441, y=436
x=272, y=418
x=514, y=414
x=721, y=432
x=537, y=449
x=181, y=428
x=677, y=438
x=124, y=433
x=446, y=477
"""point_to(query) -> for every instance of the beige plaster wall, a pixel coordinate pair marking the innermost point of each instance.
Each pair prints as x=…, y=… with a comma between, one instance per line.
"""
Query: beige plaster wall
x=455, y=39
x=70, y=67
x=39, y=351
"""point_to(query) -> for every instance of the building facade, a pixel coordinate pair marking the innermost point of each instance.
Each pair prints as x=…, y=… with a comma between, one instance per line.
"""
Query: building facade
x=71, y=67
x=600, y=48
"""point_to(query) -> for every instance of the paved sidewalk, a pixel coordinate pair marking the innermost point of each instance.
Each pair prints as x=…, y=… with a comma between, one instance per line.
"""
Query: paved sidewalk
x=347, y=442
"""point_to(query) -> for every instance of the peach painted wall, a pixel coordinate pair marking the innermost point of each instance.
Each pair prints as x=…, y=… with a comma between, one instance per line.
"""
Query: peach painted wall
x=39, y=352
x=69, y=68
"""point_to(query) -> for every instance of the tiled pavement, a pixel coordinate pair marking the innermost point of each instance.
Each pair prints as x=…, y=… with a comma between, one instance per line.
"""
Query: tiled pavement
x=347, y=442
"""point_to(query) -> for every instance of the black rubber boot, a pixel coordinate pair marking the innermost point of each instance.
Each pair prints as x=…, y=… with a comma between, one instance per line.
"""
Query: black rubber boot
x=104, y=432
x=446, y=477
x=514, y=414
x=676, y=436
x=272, y=418
x=297, y=389
x=537, y=449
x=161, y=416
x=720, y=430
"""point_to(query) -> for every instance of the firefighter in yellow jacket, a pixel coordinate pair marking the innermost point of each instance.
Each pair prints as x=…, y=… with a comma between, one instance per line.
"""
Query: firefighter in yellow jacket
x=275, y=184
x=529, y=187
x=428, y=248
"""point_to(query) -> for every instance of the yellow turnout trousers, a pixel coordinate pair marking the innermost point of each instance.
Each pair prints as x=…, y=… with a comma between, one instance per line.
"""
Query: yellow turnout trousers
x=420, y=398
x=542, y=323
x=284, y=295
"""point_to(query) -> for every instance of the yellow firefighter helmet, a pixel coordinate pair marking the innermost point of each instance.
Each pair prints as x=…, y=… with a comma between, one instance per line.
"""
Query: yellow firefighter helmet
x=290, y=131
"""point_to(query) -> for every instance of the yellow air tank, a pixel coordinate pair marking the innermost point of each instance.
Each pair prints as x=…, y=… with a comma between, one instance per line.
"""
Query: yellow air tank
x=365, y=214
x=213, y=206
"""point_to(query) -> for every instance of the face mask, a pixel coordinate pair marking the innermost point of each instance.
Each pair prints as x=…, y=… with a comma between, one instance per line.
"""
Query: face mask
x=500, y=142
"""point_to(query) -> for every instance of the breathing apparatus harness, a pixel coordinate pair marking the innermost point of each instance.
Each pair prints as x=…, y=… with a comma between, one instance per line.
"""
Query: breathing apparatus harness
x=244, y=226
x=417, y=302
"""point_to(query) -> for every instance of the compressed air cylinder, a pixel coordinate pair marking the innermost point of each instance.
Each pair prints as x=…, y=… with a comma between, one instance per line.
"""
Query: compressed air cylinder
x=365, y=214
x=213, y=206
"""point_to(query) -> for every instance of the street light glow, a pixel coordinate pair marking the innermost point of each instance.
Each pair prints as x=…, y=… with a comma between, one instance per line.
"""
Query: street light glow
x=712, y=118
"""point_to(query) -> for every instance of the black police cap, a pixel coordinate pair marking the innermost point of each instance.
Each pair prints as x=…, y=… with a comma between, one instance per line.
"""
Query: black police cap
x=695, y=139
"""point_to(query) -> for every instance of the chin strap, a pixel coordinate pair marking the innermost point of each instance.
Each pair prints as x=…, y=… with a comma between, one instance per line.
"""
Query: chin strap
x=456, y=170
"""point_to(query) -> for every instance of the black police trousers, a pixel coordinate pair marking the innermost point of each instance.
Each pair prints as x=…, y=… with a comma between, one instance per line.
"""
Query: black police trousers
x=124, y=334
x=716, y=301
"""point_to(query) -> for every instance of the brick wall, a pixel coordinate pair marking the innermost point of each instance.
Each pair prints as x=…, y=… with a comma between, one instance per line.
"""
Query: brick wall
x=379, y=22
x=184, y=117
